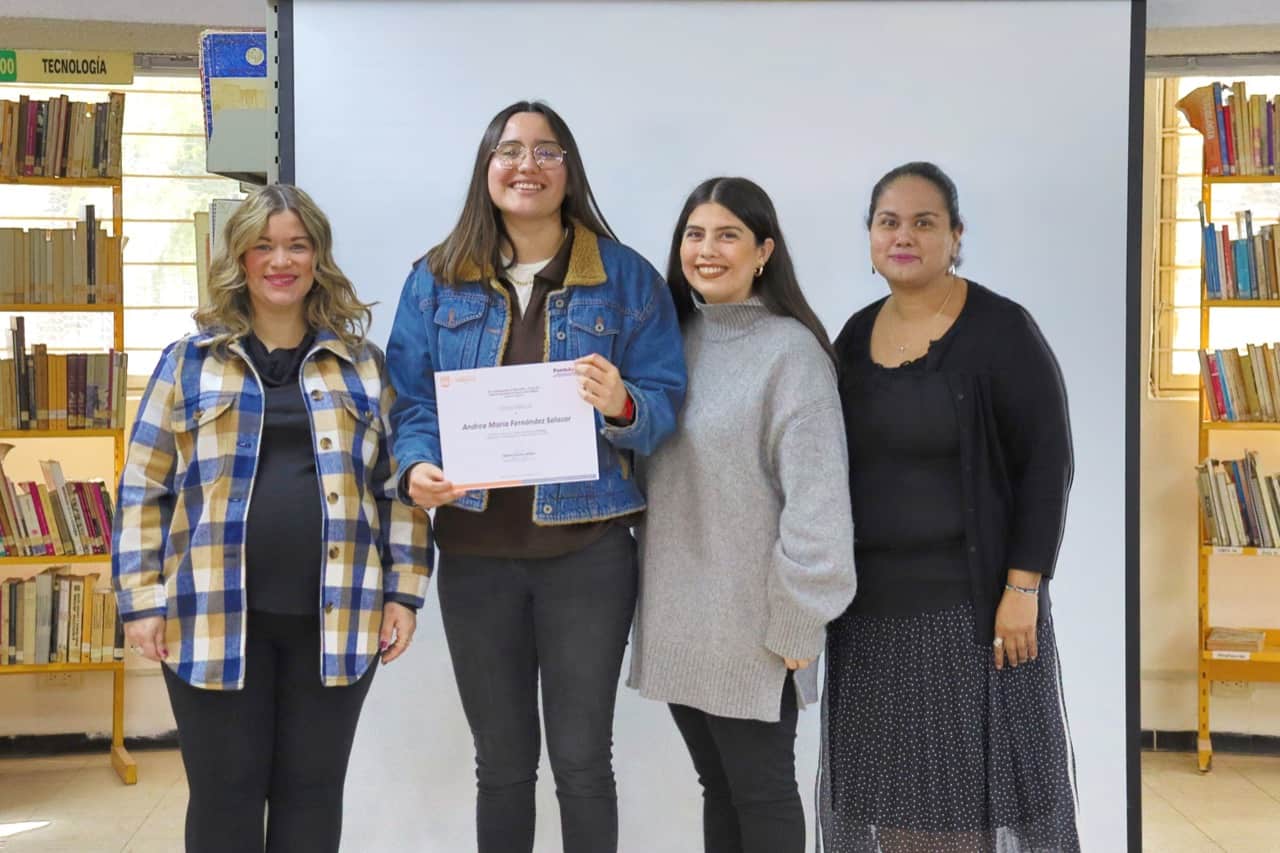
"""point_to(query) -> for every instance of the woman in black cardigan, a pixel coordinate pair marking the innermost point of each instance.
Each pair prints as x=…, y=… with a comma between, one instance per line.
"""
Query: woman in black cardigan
x=945, y=727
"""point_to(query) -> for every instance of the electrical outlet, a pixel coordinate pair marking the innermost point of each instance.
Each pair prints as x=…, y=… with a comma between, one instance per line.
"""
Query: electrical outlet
x=1232, y=689
x=62, y=679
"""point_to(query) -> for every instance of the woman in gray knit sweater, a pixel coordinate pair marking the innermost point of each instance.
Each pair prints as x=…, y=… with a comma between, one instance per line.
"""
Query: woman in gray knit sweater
x=747, y=544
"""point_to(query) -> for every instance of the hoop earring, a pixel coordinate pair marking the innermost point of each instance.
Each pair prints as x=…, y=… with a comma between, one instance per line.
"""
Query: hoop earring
x=951, y=270
x=759, y=270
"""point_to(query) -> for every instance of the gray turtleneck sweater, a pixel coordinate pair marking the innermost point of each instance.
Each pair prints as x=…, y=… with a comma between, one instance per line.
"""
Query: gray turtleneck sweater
x=746, y=548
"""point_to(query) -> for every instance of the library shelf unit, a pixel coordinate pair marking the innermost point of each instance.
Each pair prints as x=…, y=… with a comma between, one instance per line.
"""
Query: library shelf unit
x=10, y=567
x=1223, y=665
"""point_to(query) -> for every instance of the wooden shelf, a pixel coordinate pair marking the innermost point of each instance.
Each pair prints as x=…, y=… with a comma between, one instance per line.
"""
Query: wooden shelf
x=124, y=765
x=1241, y=179
x=44, y=181
x=1213, y=666
x=1241, y=426
x=64, y=308
x=121, y=761
x=30, y=668
x=59, y=433
x=1225, y=551
x=55, y=559
x=1264, y=665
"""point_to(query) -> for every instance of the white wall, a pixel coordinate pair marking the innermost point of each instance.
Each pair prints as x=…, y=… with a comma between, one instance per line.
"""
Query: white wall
x=814, y=100
x=227, y=13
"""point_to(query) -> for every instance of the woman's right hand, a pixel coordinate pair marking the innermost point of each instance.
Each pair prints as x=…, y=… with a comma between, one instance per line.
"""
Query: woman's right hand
x=428, y=487
x=146, y=637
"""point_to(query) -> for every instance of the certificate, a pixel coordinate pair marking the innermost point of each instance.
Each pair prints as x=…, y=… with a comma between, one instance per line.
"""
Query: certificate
x=515, y=426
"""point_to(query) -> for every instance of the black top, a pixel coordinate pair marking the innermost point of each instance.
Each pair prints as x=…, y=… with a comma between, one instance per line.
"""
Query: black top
x=1016, y=464
x=904, y=481
x=284, y=530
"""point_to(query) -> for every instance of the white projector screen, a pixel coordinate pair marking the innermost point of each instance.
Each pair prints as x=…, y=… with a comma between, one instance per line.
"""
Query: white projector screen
x=1026, y=105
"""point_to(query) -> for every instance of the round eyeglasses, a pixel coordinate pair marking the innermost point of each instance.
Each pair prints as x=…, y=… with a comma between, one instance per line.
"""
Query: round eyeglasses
x=547, y=155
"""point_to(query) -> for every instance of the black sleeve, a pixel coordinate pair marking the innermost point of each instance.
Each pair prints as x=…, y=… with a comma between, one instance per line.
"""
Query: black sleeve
x=400, y=598
x=1030, y=402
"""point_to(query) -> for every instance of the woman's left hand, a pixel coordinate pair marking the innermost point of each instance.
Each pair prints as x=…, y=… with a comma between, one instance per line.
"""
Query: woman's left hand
x=398, y=625
x=600, y=384
x=1015, y=636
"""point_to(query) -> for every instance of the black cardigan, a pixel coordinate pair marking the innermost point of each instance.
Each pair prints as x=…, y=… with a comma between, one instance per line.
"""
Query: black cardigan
x=1015, y=439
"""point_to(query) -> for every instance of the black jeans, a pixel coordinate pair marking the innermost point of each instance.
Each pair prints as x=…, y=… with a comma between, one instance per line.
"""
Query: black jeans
x=566, y=619
x=282, y=742
x=747, y=768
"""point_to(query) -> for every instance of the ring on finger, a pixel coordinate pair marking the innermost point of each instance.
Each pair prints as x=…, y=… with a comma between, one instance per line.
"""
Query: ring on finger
x=998, y=642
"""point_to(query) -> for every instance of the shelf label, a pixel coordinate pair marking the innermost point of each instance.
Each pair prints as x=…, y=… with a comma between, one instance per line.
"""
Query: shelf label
x=1269, y=552
x=1221, y=654
x=1224, y=549
x=66, y=66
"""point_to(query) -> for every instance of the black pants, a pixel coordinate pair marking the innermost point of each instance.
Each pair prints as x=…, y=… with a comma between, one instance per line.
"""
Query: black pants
x=282, y=742
x=566, y=619
x=747, y=769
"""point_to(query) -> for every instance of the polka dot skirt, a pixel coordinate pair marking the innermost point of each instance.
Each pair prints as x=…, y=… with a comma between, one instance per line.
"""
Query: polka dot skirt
x=927, y=748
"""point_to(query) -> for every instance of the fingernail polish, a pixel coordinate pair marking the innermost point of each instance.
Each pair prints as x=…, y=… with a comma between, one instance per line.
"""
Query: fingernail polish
x=382, y=645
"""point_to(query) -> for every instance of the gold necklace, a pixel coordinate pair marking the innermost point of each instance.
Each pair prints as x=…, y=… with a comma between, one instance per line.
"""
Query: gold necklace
x=902, y=348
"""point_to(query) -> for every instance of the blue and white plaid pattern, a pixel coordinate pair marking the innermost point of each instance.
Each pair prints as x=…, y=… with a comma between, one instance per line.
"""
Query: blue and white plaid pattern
x=185, y=492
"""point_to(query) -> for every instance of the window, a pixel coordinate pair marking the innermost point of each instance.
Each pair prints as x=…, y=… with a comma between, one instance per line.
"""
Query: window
x=1175, y=365
x=164, y=185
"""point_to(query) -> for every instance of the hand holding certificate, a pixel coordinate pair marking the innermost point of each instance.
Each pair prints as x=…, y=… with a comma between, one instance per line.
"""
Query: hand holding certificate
x=515, y=426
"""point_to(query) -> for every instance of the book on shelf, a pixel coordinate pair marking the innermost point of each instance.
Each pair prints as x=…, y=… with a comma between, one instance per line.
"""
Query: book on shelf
x=209, y=227
x=1235, y=640
x=58, y=616
x=1239, y=506
x=61, y=138
x=1242, y=387
x=60, y=391
x=53, y=518
x=1247, y=267
x=1241, y=133
x=81, y=265
x=204, y=249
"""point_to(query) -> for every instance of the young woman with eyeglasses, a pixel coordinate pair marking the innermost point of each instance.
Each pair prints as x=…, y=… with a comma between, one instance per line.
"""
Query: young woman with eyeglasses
x=537, y=584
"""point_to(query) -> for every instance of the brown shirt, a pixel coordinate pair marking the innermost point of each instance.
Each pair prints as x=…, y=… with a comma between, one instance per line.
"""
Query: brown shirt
x=506, y=527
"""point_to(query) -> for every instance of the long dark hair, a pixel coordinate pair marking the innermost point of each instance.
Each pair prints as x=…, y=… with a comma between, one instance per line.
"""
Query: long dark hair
x=477, y=238
x=777, y=288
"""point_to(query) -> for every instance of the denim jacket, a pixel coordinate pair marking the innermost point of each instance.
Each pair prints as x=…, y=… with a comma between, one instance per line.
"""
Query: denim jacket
x=612, y=302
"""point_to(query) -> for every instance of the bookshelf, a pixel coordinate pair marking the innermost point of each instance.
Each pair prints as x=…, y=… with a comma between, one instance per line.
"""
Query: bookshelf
x=1216, y=664
x=23, y=566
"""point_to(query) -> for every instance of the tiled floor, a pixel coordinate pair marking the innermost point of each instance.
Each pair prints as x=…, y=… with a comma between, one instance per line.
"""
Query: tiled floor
x=87, y=809
x=1235, y=808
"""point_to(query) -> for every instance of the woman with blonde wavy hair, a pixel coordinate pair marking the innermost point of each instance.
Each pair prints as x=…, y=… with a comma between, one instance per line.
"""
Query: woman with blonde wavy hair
x=260, y=553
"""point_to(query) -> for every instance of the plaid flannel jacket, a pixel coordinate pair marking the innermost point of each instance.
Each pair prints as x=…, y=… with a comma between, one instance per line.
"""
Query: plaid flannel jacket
x=185, y=492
